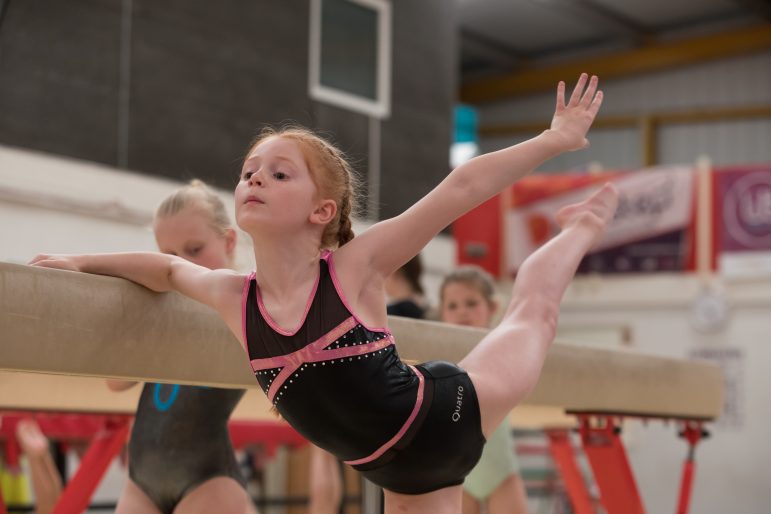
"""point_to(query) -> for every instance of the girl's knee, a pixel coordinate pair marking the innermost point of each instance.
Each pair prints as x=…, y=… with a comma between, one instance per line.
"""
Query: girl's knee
x=535, y=313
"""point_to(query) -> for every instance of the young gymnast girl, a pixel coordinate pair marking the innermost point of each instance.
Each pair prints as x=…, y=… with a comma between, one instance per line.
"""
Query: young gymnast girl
x=467, y=297
x=312, y=316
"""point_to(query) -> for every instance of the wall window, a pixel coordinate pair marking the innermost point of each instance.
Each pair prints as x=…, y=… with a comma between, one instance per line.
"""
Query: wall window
x=350, y=55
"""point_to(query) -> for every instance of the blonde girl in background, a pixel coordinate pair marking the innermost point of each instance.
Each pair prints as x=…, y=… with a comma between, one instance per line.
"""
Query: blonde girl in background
x=180, y=456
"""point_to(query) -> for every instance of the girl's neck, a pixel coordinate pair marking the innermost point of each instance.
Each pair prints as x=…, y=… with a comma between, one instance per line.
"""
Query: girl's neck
x=283, y=265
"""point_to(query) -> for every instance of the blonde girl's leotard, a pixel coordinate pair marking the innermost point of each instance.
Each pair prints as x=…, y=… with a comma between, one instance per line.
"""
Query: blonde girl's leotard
x=180, y=440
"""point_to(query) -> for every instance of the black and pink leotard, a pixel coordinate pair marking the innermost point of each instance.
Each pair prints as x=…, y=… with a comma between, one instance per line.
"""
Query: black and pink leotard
x=343, y=386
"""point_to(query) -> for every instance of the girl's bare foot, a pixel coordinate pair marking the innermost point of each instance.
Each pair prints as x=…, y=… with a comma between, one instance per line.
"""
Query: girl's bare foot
x=595, y=212
x=31, y=439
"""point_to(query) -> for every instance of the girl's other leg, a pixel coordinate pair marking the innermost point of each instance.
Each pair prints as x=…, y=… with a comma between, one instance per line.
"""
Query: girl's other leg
x=46, y=482
x=470, y=504
x=221, y=494
x=446, y=501
x=134, y=501
x=509, y=498
x=506, y=364
x=326, y=485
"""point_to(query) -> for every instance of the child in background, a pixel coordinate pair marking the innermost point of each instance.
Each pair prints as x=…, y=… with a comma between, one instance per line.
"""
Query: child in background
x=405, y=292
x=494, y=485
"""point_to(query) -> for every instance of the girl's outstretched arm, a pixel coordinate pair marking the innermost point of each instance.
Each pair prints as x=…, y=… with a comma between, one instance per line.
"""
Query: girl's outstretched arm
x=220, y=289
x=389, y=244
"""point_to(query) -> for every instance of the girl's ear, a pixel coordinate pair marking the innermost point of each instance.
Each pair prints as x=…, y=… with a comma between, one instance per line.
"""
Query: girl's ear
x=493, y=307
x=324, y=212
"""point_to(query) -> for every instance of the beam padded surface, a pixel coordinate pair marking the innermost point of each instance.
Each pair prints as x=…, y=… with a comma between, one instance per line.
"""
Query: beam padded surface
x=69, y=323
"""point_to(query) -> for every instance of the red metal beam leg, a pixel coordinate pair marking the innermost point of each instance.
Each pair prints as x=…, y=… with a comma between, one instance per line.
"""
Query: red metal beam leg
x=603, y=447
x=103, y=449
x=564, y=456
x=692, y=432
x=3, y=510
x=12, y=463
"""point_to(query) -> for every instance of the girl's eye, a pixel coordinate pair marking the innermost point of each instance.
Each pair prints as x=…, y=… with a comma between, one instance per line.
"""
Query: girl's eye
x=195, y=251
x=280, y=175
x=247, y=175
x=471, y=303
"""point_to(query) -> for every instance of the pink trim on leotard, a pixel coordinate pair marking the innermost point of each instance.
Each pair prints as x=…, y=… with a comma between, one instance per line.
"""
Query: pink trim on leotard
x=244, y=297
x=273, y=324
x=380, y=451
x=327, y=256
x=315, y=352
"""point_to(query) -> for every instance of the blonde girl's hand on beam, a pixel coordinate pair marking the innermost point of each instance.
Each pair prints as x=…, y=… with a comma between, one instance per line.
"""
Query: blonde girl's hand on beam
x=571, y=121
x=64, y=262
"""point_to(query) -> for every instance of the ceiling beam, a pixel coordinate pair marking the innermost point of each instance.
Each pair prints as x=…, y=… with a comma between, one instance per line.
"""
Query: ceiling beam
x=602, y=18
x=761, y=8
x=648, y=58
x=493, y=51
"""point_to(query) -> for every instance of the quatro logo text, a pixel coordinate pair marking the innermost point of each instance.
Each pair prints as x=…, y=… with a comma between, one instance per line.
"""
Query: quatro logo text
x=458, y=404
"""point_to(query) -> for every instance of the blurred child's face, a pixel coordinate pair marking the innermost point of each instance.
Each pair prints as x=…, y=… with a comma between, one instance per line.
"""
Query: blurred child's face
x=464, y=304
x=189, y=234
x=275, y=185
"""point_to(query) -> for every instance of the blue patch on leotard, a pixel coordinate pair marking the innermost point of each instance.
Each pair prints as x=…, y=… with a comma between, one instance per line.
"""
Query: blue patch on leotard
x=161, y=405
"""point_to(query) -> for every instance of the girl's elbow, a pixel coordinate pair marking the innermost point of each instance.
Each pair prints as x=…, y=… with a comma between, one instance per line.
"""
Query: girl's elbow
x=464, y=187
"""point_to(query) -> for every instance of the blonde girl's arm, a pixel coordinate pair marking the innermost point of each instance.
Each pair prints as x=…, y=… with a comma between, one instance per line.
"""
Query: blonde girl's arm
x=159, y=272
x=389, y=244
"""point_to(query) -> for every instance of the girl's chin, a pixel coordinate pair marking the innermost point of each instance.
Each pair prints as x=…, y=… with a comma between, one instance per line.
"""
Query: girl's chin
x=259, y=228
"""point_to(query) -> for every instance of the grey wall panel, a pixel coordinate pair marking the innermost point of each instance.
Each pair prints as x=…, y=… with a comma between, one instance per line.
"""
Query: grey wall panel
x=609, y=149
x=59, y=77
x=348, y=131
x=417, y=137
x=740, y=81
x=720, y=84
x=737, y=142
x=204, y=77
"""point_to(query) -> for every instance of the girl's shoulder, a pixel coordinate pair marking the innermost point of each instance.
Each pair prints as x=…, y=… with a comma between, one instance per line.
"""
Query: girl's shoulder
x=232, y=280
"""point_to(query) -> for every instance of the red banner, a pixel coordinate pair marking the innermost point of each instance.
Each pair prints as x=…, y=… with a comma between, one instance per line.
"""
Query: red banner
x=652, y=230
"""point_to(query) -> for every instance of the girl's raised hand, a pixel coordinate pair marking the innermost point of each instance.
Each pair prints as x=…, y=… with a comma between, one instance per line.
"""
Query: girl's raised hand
x=64, y=262
x=571, y=121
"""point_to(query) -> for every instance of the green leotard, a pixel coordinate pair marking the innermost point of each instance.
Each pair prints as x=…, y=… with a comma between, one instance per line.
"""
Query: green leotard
x=498, y=462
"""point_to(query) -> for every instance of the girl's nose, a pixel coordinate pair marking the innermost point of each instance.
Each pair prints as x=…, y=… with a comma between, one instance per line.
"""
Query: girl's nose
x=255, y=180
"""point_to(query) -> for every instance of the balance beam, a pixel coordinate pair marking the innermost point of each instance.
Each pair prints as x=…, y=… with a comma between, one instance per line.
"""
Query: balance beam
x=61, y=322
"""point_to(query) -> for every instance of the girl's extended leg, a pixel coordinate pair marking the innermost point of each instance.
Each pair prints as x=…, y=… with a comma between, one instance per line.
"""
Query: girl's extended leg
x=506, y=364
